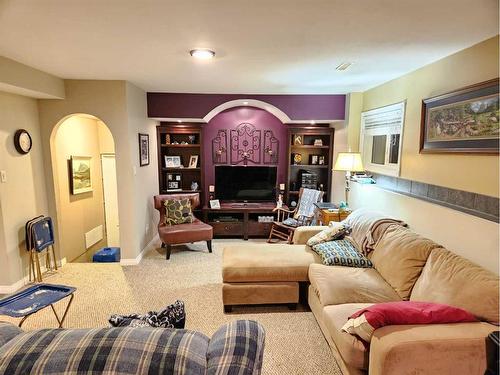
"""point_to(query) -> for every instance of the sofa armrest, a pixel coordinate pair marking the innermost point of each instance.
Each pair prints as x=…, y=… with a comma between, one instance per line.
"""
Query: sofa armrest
x=430, y=349
x=302, y=234
x=236, y=348
x=8, y=331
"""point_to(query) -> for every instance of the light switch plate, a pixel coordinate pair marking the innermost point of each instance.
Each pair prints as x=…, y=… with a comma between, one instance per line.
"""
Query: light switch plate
x=3, y=176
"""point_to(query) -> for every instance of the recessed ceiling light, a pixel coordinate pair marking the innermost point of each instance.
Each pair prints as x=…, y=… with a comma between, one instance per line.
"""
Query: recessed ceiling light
x=313, y=122
x=343, y=66
x=179, y=121
x=245, y=103
x=202, y=54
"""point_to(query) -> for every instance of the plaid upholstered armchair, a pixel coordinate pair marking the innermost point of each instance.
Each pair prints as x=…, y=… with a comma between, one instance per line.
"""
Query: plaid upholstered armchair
x=288, y=220
x=235, y=348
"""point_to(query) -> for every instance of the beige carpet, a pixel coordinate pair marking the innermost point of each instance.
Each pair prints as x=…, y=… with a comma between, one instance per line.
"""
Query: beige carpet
x=294, y=342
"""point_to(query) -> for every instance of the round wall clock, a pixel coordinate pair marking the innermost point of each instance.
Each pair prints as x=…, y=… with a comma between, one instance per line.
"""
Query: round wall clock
x=22, y=141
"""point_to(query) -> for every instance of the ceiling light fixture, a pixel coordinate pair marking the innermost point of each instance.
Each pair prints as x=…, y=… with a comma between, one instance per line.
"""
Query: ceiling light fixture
x=202, y=54
x=343, y=66
x=245, y=103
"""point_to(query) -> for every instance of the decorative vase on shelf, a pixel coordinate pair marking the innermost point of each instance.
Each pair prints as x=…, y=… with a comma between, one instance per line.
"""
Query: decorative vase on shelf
x=194, y=186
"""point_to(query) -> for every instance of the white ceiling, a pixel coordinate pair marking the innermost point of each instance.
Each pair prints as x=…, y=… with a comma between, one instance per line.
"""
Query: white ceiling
x=262, y=46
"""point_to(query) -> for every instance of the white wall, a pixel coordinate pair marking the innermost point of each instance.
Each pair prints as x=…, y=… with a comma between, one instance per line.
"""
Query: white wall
x=146, y=178
x=469, y=236
x=24, y=194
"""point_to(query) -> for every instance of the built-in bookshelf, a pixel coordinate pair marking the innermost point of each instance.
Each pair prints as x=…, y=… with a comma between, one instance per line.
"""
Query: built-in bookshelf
x=310, y=152
x=177, y=145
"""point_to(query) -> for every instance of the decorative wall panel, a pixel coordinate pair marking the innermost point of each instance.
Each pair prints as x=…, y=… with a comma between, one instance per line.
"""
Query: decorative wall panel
x=271, y=148
x=219, y=147
x=245, y=144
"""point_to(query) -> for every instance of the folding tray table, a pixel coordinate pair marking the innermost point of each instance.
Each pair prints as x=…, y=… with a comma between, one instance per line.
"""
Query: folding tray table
x=33, y=299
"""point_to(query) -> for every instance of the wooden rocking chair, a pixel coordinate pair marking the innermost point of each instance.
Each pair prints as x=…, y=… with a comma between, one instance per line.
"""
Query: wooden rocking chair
x=281, y=231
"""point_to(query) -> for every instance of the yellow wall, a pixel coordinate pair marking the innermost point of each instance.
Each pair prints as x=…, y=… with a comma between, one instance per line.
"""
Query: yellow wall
x=122, y=107
x=24, y=195
x=474, y=173
x=469, y=236
x=80, y=136
x=21, y=79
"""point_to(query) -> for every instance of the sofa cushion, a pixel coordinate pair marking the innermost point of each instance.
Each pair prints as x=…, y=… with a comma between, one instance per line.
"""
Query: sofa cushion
x=399, y=257
x=265, y=262
x=334, y=231
x=178, y=211
x=183, y=233
x=352, y=350
x=336, y=285
x=450, y=279
x=341, y=253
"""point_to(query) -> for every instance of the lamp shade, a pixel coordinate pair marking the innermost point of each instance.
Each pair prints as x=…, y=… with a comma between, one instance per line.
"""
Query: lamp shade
x=349, y=161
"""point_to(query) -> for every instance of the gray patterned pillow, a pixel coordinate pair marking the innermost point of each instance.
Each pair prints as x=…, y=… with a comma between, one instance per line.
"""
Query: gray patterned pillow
x=178, y=211
x=341, y=253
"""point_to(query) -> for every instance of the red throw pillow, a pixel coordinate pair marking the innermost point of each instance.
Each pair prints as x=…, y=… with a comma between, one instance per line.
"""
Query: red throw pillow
x=365, y=321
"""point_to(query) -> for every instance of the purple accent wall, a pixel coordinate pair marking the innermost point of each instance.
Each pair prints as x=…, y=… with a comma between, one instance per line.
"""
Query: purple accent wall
x=297, y=107
x=231, y=118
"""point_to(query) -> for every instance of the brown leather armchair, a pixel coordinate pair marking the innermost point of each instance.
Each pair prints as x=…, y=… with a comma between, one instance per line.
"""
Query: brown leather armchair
x=182, y=233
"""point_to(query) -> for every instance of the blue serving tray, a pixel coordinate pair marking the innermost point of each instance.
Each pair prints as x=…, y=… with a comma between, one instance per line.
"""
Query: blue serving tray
x=33, y=299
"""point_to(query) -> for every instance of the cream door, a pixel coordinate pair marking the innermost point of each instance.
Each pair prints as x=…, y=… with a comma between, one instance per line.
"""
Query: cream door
x=110, y=189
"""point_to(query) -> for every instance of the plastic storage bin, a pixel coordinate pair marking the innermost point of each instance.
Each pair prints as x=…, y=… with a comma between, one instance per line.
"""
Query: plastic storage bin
x=107, y=255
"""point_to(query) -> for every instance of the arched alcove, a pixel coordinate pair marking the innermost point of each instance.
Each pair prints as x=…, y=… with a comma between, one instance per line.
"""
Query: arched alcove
x=278, y=113
x=228, y=120
x=84, y=174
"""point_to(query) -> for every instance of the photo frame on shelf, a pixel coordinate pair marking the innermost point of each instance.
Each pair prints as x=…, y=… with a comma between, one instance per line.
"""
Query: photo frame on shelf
x=321, y=160
x=462, y=121
x=193, y=161
x=172, y=161
x=314, y=159
x=143, y=149
x=174, y=182
x=214, y=204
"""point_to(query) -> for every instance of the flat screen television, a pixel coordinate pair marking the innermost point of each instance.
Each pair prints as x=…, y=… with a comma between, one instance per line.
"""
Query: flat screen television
x=245, y=183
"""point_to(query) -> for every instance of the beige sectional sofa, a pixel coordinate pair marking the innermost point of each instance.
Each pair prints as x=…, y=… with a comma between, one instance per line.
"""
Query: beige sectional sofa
x=407, y=266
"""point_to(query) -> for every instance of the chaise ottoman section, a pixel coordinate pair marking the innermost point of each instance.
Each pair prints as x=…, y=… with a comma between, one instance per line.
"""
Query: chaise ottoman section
x=255, y=274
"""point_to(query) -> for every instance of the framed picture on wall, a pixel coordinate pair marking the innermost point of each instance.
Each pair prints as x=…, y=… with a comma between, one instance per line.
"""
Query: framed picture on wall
x=462, y=121
x=143, y=149
x=80, y=174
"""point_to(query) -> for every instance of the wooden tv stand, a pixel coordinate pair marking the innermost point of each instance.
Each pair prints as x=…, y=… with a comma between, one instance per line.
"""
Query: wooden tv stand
x=239, y=219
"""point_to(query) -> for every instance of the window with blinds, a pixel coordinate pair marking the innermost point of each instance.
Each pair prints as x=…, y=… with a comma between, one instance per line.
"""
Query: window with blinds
x=381, y=138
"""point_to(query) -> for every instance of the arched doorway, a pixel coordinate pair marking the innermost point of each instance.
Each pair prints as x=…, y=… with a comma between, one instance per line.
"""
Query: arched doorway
x=84, y=173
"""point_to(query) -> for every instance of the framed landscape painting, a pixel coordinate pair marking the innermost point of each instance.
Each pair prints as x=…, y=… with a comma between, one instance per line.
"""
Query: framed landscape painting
x=463, y=121
x=81, y=176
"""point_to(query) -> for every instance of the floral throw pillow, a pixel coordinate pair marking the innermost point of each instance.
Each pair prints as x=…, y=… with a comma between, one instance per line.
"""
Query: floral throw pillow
x=341, y=253
x=178, y=211
x=334, y=231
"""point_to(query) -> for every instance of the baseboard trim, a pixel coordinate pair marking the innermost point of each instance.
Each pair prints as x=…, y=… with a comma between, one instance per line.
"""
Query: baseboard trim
x=135, y=261
x=12, y=288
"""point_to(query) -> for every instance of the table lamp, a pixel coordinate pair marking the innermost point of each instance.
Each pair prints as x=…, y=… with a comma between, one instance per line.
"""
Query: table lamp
x=348, y=162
